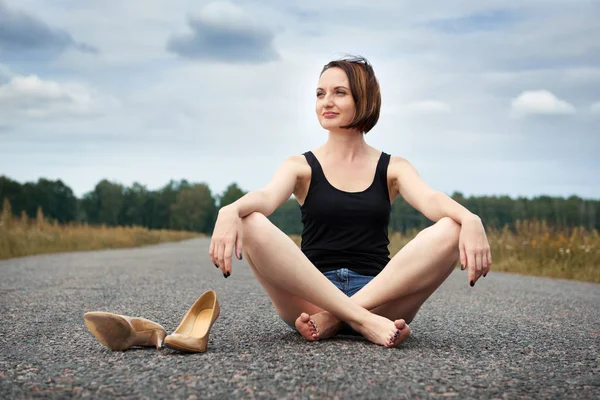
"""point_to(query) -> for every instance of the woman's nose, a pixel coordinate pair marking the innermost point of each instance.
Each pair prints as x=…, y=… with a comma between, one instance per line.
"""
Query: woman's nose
x=329, y=99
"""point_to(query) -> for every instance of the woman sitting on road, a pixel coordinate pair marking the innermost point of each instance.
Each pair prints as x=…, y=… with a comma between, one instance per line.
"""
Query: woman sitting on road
x=342, y=274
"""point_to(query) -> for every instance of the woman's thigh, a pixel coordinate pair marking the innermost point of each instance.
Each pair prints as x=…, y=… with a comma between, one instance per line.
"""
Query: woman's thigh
x=287, y=305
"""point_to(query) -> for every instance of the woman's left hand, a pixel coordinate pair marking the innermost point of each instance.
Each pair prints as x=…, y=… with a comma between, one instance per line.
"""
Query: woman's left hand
x=474, y=249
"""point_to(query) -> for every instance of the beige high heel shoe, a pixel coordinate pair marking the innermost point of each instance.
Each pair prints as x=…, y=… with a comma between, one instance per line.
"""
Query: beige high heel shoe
x=120, y=332
x=192, y=333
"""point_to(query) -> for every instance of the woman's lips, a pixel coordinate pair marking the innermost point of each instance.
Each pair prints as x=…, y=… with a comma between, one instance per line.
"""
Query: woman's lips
x=330, y=115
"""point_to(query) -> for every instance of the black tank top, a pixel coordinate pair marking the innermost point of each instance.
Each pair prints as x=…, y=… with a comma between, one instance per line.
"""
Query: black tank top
x=346, y=229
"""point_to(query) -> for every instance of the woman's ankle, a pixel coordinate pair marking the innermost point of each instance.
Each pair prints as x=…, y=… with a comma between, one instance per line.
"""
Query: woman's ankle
x=360, y=319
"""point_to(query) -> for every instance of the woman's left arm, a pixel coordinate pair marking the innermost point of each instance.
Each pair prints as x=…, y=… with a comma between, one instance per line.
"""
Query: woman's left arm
x=473, y=245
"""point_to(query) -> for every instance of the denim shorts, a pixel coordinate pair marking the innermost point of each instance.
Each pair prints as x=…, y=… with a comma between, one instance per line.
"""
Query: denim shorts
x=349, y=283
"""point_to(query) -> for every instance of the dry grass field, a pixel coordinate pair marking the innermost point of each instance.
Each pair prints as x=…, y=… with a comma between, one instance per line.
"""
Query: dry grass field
x=23, y=236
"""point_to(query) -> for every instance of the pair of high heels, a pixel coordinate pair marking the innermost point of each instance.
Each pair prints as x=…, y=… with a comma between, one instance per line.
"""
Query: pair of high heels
x=120, y=332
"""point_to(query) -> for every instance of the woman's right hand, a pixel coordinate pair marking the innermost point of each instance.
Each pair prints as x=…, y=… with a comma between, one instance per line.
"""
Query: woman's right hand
x=227, y=235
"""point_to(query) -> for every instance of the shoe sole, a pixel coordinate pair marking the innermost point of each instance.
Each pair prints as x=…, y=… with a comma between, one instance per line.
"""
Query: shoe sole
x=111, y=330
x=177, y=347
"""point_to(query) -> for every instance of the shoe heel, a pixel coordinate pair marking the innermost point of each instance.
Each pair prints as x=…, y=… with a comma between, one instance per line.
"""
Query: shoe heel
x=157, y=338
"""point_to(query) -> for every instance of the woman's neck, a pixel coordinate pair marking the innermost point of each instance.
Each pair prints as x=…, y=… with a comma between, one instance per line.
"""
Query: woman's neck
x=345, y=145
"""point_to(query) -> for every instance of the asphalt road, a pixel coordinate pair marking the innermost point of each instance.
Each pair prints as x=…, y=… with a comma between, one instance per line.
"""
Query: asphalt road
x=508, y=337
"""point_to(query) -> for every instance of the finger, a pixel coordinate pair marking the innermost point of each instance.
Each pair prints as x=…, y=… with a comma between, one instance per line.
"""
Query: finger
x=211, y=252
x=221, y=257
x=228, y=256
x=478, y=265
x=488, y=263
x=239, y=246
x=463, y=258
x=472, y=267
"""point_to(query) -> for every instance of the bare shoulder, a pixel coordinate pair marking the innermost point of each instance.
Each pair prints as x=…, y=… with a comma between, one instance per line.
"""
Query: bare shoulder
x=299, y=164
x=297, y=159
x=397, y=161
x=397, y=166
x=400, y=166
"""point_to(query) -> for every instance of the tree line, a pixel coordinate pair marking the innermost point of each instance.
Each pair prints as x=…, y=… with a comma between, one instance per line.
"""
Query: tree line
x=181, y=205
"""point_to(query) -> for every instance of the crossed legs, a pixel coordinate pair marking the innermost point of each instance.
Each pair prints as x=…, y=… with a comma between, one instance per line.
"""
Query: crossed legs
x=379, y=311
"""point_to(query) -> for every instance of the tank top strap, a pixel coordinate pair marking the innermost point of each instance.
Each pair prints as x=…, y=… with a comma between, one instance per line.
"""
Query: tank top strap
x=382, y=167
x=317, y=172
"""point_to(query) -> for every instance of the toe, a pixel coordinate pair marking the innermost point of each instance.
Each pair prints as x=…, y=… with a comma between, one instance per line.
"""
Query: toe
x=400, y=323
x=304, y=317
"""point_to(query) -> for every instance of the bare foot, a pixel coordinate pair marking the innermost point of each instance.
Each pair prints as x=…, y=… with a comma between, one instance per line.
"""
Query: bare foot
x=404, y=331
x=383, y=331
x=318, y=326
x=307, y=327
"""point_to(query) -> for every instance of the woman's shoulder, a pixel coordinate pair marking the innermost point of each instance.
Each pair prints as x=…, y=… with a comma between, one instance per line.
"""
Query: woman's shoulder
x=297, y=159
x=299, y=163
x=398, y=167
x=397, y=160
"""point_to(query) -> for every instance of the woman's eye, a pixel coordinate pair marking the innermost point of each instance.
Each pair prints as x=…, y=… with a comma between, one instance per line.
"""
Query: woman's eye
x=319, y=94
x=340, y=92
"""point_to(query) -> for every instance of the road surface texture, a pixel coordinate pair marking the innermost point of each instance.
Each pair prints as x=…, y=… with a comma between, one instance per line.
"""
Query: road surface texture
x=508, y=337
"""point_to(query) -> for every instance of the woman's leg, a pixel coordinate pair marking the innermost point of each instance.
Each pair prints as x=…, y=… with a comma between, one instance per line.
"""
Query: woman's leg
x=408, y=280
x=283, y=269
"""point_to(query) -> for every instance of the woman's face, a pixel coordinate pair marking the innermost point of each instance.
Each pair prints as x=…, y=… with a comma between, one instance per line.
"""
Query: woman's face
x=335, y=105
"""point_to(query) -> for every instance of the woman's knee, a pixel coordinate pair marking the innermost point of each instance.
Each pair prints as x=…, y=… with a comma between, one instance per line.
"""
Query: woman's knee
x=449, y=230
x=446, y=230
x=253, y=223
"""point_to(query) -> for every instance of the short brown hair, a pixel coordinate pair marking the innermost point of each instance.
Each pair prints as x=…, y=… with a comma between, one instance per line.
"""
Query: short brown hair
x=365, y=91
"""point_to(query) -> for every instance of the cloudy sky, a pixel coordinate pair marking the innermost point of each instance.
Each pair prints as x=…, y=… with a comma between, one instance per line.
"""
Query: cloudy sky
x=482, y=97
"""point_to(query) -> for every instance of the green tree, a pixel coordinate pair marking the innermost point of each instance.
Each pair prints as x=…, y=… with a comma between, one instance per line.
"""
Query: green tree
x=6, y=218
x=230, y=195
x=288, y=217
x=103, y=204
x=56, y=199
x=13, y=191
x=160, y=204
x=194, y=210
x=133, y=211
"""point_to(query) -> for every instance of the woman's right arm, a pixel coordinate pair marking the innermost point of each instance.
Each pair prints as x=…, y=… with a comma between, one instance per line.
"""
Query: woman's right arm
x=267, y=199
x=228, y=232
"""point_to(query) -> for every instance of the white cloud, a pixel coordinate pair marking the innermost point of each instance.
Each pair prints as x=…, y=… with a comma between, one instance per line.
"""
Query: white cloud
x=225, y=32
x=595, y=108
x=32, y=97
x=226, y=13
x=23, y=32
x=533, y=102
